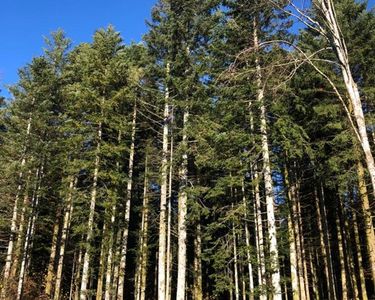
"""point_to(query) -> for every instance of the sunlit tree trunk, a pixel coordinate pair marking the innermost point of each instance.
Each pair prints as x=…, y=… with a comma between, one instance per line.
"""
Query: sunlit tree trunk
x=163, y=201
x=143, y=240
x=102, y=260
x=344, y=284
x=339, y=46
x=90, y=225
x=169, y=256
x=125, y=234
x=369, y=228
x=235, y=264
x=29, y=233
x=21, y=227
x=247, y=239
x=13, y=225
x=198, y=292
x=50, y=277
x=357, y=242
x=271, y=221
x=182, y=212
x=64, y=235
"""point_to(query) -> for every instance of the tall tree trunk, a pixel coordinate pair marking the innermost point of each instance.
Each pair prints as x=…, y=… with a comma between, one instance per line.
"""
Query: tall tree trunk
x=323, y=248
x=21, y=227
x=77, y=277
x=163, y=201
x=235, y=264
x=327, y=241
x=271, y=221
x=64, y=235
x=198, y=292
x=102, y=260
x=369, y=228
x=339, y=47
x=113, y=252
x=340, y=241
x=258, y=216
x=169, y=256
x=357, y=243
x=13, y=225
x=247, y=239
x=143, y=240
x=50, y=277
x=90, y=225
x=182, y=213
x=29, y=232
x=124, y=243
x=302, y=249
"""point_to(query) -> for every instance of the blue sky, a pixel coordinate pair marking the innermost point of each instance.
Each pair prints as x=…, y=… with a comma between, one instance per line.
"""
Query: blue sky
x=23, y=23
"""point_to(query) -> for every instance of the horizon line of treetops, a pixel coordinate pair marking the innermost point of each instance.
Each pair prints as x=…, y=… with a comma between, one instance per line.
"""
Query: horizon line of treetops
x=224, y=157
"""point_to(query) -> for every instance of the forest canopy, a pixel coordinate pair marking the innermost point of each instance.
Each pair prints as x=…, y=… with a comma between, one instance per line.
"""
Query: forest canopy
x=229, y=155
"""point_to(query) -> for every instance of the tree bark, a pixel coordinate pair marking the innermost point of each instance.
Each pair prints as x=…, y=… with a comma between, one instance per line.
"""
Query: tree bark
x=169, y=256
x=163, y=201
x=90, y=225
x=357, y=242
x=323, y=248
x=124, y=243
x=143, y=240
x=339, y=46
x=271, y=221
x=29, y=232
x=13, y=226
x=65, y=231
x=198, y=292
x=52, y=259
x=369, y=228
x=182, y=213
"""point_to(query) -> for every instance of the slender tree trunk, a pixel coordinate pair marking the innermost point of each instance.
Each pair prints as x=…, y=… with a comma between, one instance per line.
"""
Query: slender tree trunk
x=274, y=255
x=74, y=266
x=182, y=212
x=65, y=231
x=247, y=239
x=13, y=225
x=323, y=248
x=258, y=218
x=327, y=241
x=90, y=225
x=293, y=260
x=235, y=265
x=169, y=257
x=113, y=250
x=29, y=233
x=296, y=287
x=21, y=227
x=163, y=202
x=357, y=242
x=369, y=228
x=108, y=273
x=302, y=249
x=102, y=261
x=344, y=284
x=52, y=259
x=143, y=240
x=124, y=245
x=77, y=278
x=339, y=47
x=313, y=272
x=198, y=292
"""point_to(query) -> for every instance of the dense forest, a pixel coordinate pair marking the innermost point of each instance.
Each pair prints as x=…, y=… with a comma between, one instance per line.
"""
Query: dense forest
x=229, y=155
